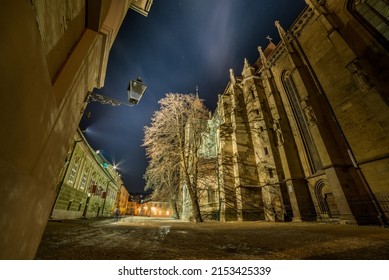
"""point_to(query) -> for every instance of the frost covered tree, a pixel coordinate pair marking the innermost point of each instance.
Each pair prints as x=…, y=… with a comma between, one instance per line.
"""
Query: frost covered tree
x=162, y=177
x=172, y=141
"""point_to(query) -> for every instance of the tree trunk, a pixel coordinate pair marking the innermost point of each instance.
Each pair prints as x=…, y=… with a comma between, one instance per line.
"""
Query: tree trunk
x=195, y=204
x=175, y=209
x=196, y=211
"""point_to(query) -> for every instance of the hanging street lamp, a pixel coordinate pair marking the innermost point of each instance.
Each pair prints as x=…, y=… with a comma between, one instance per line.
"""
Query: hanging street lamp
x=136, y=89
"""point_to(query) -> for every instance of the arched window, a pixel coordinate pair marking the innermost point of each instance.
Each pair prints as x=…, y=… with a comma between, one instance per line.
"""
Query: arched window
x=374, y=15
x=302, y=122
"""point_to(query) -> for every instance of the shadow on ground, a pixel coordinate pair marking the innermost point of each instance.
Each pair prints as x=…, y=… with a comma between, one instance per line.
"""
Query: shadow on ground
x=145, y=238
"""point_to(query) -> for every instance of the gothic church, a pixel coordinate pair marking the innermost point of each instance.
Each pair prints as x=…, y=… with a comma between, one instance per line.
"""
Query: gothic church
x=303, y=133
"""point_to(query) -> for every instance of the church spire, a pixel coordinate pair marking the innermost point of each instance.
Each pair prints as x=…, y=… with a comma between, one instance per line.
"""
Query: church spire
x=232, y=77
x=246, y=63
x=281, y=31
x=262, y=56
x=197, y=91
x=248, y=70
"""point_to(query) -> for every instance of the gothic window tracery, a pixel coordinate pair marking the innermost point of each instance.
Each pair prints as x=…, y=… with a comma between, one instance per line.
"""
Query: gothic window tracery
x=374, y=15
x=302, y=120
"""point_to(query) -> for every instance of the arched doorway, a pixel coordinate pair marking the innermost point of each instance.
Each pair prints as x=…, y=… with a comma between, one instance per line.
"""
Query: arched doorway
x=328, y=209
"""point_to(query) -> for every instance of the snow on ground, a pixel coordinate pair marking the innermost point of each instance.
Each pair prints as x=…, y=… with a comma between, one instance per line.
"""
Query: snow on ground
x=145, y=238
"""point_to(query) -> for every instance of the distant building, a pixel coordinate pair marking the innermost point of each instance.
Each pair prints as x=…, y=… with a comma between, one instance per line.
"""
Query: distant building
x=303, y=133
x=122, y=200
x=133, y=208
x=155, y=209
x=89, y=185
x=208, y=186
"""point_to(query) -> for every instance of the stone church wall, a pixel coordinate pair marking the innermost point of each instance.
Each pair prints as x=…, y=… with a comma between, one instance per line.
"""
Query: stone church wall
x=320, y=99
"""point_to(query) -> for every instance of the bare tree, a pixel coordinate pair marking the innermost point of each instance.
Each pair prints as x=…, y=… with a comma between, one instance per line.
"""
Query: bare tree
x=162, y=177
x=172, y=141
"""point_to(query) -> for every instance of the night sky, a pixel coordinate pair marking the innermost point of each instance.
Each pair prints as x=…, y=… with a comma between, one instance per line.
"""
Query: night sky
x=180, y=45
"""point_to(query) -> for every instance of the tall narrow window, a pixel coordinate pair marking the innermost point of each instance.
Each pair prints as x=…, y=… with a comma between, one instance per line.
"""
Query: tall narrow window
x=374, y=15
x=92, y=186
x=84, y=178
x=302, y=122
x=271, y=174
x=73, y=171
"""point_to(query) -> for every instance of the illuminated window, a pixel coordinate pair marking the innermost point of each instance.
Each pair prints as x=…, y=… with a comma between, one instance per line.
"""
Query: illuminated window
x=73, y=172
x=84, y=178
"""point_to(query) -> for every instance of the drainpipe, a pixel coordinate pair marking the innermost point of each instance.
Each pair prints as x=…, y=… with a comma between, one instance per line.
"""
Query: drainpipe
x=218, y=178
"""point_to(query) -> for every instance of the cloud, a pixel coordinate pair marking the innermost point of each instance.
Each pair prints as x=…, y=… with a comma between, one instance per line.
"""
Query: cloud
x=215, y=40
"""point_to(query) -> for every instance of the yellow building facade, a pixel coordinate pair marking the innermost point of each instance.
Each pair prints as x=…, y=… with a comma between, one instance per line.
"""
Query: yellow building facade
x=52, y=53
x=155, y=209
x=122, y=200
x=89, y=186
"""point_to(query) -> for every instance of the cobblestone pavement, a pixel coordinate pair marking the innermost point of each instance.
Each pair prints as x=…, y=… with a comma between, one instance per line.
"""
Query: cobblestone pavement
x=144, y=238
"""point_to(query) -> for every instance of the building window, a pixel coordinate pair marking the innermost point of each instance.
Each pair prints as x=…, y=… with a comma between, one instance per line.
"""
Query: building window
x=83, y=180
x=271, y=174
x=73, y=172
x=92, y=183
x=302, y=122
x=211, y=195
x=374, y=15
x=266, y=151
